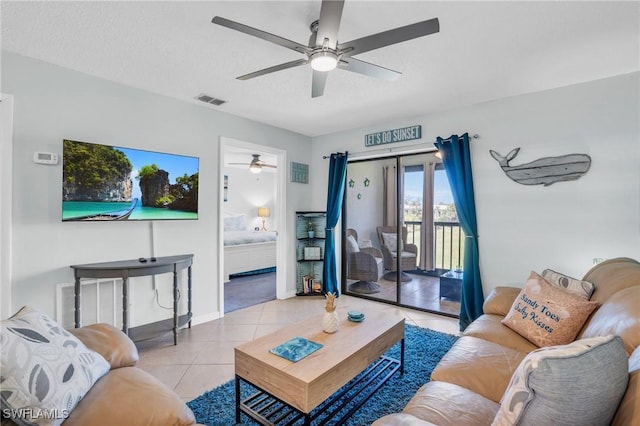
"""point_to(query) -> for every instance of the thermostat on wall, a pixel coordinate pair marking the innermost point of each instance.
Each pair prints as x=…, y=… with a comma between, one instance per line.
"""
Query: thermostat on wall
x=45, y=158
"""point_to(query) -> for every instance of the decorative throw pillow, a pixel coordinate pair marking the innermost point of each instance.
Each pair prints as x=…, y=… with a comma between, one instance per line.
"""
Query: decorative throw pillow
x=45, y=370
x=391, y=241
x=581, y=288
x=235, y=223
x=352, y=244
x=547, y=315
x=577, y=384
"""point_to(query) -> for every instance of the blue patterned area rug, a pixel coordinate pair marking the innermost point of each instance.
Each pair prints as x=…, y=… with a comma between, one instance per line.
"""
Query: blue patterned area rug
x=423, y=350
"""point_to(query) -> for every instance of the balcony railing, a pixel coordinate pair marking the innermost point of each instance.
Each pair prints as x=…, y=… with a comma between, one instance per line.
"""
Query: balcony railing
x=449, y=242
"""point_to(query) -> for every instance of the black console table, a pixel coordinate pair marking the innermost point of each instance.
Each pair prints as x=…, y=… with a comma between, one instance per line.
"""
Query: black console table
x=126, y=269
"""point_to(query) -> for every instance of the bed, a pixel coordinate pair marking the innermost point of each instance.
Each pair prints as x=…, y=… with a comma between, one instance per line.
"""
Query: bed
x=246, y=251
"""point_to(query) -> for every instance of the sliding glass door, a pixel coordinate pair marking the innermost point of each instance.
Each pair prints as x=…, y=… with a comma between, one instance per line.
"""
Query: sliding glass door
x=390, y=231
x=370, y=208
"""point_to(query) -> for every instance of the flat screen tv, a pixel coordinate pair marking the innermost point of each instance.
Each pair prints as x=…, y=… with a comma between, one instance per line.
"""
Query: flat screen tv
x=111, y=183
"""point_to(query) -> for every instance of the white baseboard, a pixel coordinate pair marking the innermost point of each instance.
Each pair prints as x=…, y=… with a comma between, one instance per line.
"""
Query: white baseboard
x=200, y=319
x=289, y=295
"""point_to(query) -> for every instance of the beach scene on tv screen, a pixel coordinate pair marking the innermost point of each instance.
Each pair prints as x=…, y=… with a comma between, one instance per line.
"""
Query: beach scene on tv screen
x=110, y=183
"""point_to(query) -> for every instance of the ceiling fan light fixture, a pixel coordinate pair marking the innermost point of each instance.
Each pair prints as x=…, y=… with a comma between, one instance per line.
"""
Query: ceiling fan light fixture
x=255, y=168
x=323, y=52
x=324, y=61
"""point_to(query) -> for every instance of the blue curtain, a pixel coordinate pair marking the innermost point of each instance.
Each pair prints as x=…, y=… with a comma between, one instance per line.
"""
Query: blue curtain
x=457, y=164
x=337, y=178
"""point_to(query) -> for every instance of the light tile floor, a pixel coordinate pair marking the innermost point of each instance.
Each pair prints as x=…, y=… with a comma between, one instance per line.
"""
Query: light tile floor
x=421, y=292
x=203, y=358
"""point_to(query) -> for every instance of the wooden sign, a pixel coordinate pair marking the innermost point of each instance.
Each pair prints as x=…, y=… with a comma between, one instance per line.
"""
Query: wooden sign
x=544, y=171
x=393, y=136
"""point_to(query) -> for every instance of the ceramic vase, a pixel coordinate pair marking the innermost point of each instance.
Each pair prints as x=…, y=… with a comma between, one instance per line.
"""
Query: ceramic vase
x=330, y=322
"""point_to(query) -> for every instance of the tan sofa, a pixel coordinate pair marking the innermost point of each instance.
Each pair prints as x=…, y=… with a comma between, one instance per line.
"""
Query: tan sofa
x=467, y=385
x=126, y=395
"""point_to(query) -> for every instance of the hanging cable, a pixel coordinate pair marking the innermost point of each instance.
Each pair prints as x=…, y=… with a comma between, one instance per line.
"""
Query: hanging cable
x=158, y=300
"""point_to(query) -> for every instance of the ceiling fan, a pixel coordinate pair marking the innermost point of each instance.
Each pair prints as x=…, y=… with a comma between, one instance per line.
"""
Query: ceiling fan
x=324, y=53
x=256, y=164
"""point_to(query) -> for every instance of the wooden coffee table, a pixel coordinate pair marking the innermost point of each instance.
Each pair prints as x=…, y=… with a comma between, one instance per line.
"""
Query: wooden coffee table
x=288, y=392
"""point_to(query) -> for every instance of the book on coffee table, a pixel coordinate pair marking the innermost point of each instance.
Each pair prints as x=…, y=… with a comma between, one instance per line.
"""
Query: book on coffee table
x=296, y=349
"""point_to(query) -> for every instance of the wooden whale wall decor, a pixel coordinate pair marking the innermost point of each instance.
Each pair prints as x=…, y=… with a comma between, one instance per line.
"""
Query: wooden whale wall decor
x=544, y=171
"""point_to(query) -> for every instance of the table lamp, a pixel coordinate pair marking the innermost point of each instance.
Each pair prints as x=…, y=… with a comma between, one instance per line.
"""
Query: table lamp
x=263, y=212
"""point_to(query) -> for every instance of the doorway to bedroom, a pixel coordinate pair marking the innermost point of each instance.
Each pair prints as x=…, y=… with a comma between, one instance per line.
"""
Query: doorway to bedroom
x=250, y=216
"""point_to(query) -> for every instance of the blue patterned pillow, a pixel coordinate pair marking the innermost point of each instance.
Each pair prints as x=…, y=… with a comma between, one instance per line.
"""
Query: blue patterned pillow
x=45, y=370
x=581, y=383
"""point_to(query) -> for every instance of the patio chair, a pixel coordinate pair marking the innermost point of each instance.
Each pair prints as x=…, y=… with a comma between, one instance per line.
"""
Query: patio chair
x=408, y=252
x=365, y=265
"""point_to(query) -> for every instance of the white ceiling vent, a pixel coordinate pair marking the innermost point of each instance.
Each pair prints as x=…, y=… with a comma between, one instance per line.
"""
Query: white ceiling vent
x=209, y=99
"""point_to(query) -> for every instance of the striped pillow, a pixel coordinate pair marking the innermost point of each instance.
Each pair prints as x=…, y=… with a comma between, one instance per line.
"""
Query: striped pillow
x=581, y=288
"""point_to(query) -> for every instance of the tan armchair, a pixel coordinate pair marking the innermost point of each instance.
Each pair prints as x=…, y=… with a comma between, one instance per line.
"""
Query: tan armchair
x=363, y=264
x=408, y=252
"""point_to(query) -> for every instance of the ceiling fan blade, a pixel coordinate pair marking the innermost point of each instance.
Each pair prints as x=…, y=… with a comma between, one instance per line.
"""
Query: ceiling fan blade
x=329, y=23
x=280, y=67
x=361, y=67
x=386, y=38
x=238, y=164
x=271, y=166
x=280, y=41
x=318, y=82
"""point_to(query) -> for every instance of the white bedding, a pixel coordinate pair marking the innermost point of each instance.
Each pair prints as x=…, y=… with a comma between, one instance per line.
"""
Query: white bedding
x=235, y=238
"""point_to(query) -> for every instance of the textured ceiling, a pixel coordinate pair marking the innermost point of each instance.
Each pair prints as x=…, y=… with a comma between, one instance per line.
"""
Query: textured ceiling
x=484, y=51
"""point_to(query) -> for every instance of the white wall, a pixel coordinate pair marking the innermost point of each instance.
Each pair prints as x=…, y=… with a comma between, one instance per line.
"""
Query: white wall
x=523, y=228
x=53, y=103
x=6, y=149
x=247, y=192
x=364, y=214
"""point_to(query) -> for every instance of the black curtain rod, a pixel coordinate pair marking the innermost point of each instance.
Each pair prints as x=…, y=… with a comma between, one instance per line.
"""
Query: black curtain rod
x=324, y=157
x=474, y=136
x=390, y=148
